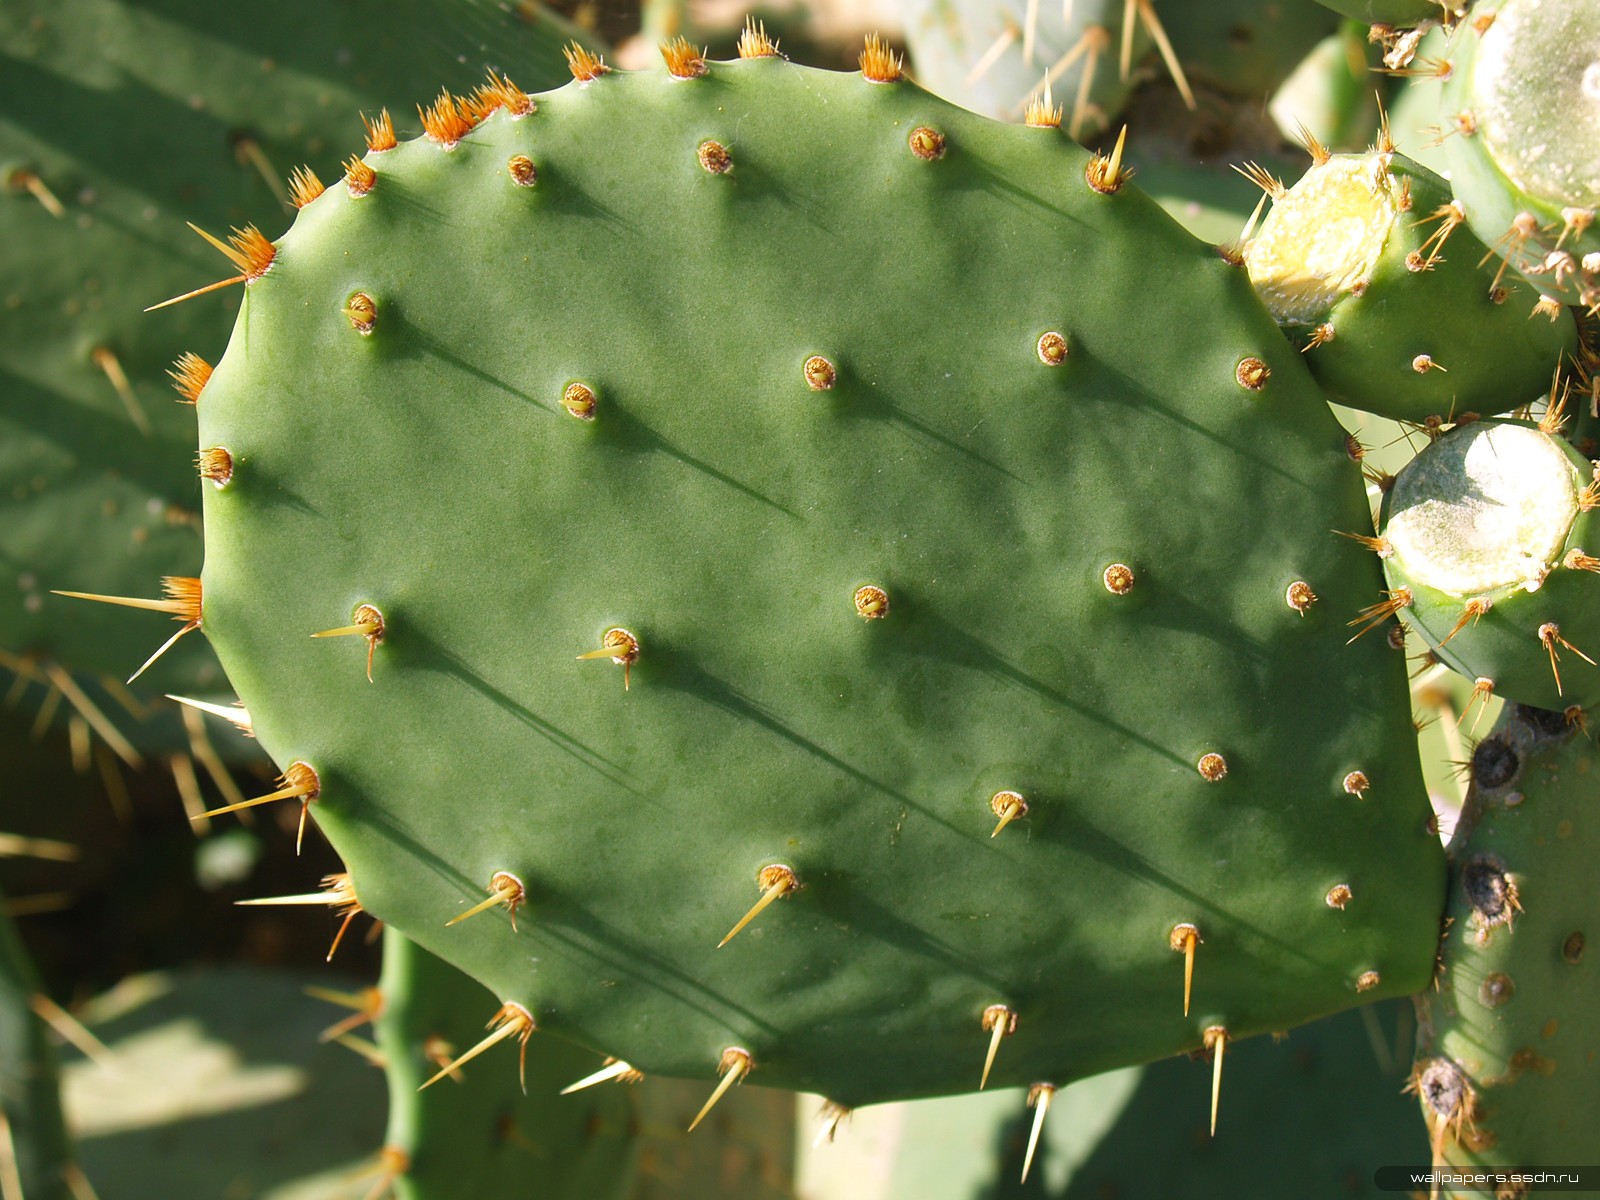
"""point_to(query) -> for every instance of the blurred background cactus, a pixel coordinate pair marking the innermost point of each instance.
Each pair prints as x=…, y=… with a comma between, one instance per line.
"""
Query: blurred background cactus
x=1410, y=188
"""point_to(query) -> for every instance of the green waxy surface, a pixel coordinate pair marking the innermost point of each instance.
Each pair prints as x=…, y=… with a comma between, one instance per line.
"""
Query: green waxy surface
x=137, y=117
x=1467, y=525
x=725, y=513
x=1515, y=1008
x=1404, y=14
x=1416, y=330
x=482, y=1135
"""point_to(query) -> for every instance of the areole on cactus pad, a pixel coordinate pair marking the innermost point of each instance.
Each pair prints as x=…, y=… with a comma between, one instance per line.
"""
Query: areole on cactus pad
x=758, y=485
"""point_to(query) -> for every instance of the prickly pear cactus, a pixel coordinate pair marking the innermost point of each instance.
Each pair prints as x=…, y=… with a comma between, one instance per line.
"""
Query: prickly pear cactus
x=1365, y=263
x=447, y=1138
x=1486, y=540
x=1507, y=1073
x=1520, y=103
x=750, y=483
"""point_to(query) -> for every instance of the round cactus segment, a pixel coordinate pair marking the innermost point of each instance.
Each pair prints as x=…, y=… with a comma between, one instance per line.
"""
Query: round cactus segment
x=1488, y=533
x=907, y=482
x=1366, y=265
x=1507, y=1071
x=1522, y=98
x=1401, y=14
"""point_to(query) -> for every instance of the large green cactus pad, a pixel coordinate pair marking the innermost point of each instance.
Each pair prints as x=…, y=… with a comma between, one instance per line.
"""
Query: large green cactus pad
x=1094, y=483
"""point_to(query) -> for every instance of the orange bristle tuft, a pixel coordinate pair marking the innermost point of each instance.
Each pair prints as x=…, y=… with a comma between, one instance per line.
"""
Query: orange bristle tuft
x=1470, y=612
x=447, y=120
x=1577, y=560
x=1263, y=179
x=380, y=132
x=754, y=42
x=185, y=593
x=248, y=249
x=358, y=176
x=585, y=67
x=215, y=464
x=682, y=59
x=1382, y=547
x=1373, y=615
x=500, y=92
x=880, y=64
x=304, y=187
x=190, y=374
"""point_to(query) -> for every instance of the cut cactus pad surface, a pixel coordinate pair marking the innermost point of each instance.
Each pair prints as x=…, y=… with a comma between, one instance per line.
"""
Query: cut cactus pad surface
x=741, y=524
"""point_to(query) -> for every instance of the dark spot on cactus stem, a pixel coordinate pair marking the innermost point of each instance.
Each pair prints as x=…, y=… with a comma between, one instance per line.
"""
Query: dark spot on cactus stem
x=1052, y=349
x=1118, y=578
x=872, y=602
x=1212, y=767
x=362, y=312
x=522, y=171
x=621, y=647
x=820, y=373
x=1546, y=721
x=714, y=157
x=1491, y=892
x=578, y=398
x=1572, y=947
x=999, y=1021
x=1183, y=938
x=215, y=464
x=1356, y=783
x=1446, y=1093
x=1526, y=1060
x=1338, y=896
x=1299, y=596
x=1367, y=980
x=1252, y=374
x=927, y=144
x=1495, y=763
x=735, y=1064
x=1495, y=989
x=775, y=881
x=1008, y=806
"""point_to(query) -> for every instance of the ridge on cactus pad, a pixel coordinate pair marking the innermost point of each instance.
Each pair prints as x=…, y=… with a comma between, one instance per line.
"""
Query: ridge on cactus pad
x=742, y=524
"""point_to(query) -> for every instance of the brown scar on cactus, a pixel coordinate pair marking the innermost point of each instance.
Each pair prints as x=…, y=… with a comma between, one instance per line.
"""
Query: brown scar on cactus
x=1449, y=1101
x=620, y=646
x=775, y=881
x=248, y=249
x=999, y=1021
x=1104, y=173
x=367, y=622
x=338, y=893
x=735, y=1064
x=106, y=359
x=1183, y=939
x=1216, y=1041
x=299, y=781
x=1008, y=806
x=505, y=889
x=612, y=1068
x=189, y=375
x=1039, y=1097
x=510, y=1020
x=182, y=600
